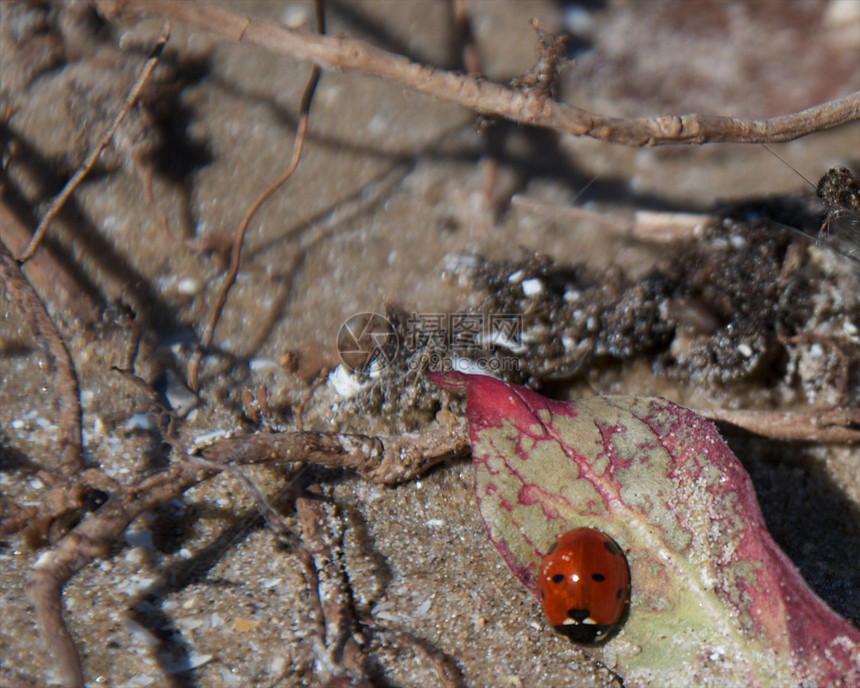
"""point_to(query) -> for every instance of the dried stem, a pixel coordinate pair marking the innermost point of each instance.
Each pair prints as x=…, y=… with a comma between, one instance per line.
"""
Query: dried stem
x=66, y=380
x=839, y=424
x=273, y=520
x=330, y=599
x=239, y=238
x=312, y=581
x=91, y=538
x=386, y=460
x=90, y=160
x=340, y=655
x=487, y=98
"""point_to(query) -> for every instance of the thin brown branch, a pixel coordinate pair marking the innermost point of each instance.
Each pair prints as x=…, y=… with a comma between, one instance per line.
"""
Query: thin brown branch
x=387, y=460
x=92, y=538
x=330, y=599
x=90, y=160
x=488, y=128
x=839, y=424
x=340, y=655
x=239, y=238
x=488, y=98
x=651, y=226
x=66, y=380
x=273, y=519
x=63, y=505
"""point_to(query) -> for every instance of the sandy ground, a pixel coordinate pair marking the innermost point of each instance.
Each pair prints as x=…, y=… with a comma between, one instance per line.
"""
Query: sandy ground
x=390, y=185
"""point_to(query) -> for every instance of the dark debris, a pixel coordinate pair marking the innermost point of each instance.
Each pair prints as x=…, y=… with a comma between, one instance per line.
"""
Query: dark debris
x=743, y=302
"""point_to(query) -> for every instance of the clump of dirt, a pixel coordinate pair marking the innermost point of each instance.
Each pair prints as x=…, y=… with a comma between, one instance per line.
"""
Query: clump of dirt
x=741, y=303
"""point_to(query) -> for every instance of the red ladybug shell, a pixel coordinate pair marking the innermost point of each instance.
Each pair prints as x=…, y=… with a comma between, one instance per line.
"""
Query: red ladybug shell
x=584, y=584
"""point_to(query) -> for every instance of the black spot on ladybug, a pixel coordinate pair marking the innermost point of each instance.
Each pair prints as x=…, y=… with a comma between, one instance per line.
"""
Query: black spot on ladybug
x=611, y=547
x=598, y=577
x=578, y=615
x=558, y=578
x=619, y=594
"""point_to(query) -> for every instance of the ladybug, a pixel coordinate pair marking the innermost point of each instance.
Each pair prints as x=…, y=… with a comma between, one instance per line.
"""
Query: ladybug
x=584, y=585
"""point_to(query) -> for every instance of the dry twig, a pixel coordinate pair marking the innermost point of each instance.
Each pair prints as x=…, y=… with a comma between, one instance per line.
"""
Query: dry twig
x=322, y=378
x=651, y=226
x=92, y=538
x=90, y=160
x=340, y=655
x=485, y=97
x=385, y=460
x=66, y=380
x=239, y=238
x=840, y=424
x=337, y=653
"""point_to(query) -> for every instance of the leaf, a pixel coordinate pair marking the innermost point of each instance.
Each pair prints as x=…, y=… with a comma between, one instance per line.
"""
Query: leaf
x=714, y=601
